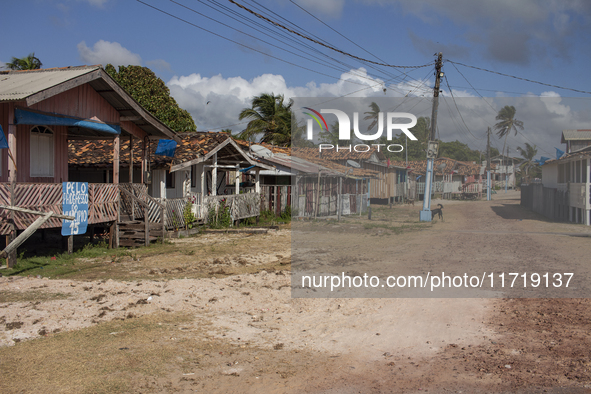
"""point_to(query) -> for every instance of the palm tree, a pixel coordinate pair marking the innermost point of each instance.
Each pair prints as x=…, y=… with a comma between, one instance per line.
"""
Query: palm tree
x=26, y=63
x=373, y=115
x=528, y=155
x=270, y=117
x=507, y=122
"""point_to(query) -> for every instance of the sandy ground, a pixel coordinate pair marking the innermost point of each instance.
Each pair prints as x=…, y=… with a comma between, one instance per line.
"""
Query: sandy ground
x=341, y=345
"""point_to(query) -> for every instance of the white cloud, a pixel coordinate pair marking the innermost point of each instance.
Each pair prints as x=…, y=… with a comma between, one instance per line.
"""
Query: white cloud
x=2, y=65
x=104, y=52
x=228, y=96
x=544, y=116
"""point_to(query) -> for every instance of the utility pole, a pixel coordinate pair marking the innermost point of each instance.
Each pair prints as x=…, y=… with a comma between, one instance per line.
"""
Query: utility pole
x=432, y=145
x=488, y=185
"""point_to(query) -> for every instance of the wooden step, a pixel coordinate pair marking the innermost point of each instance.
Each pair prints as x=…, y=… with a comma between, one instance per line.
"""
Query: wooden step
x=138, y=234
x=134, y=242
x=138, y=226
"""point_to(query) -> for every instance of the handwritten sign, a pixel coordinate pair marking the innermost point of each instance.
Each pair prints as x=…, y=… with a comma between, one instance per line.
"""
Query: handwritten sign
x=75, y=203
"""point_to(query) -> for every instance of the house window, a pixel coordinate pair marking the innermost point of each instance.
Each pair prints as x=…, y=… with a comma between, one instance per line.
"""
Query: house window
x=170, y=180
x=41, y=152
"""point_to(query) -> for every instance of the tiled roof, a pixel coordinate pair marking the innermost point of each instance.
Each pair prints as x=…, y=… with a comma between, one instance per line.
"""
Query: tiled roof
x=273, y=148
x=99, y=153
x=355, y=172
x=342, y=154
x=460, y=167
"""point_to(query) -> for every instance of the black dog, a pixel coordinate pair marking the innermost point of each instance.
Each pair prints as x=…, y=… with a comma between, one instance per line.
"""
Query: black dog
x=438, y=211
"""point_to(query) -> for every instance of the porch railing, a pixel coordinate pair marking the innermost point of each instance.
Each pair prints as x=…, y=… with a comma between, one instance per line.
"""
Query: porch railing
x=103, y=200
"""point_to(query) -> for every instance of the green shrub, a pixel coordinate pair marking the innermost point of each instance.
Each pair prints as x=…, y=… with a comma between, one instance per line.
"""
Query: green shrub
x=222, y=219
x=188, y=215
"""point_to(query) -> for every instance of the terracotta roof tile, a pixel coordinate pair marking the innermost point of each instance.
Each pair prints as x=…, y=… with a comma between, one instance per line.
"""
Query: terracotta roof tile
x=460, y=167
x=99, y=153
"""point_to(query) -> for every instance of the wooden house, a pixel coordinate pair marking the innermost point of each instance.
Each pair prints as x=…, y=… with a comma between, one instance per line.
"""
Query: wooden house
x=450, y=177
x=565, y=191
x=205, y=165
x=40, y=111
x=390, y=180
x=575, y=139
x=310, y=187
x=504, y=169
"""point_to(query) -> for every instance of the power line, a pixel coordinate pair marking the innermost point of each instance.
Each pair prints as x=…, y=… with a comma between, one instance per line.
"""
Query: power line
x=241, y=44
x=515, y=77
x=321, y=43
x=336, y=31
x=229, y=12
x=321, y=62
x=490, y=105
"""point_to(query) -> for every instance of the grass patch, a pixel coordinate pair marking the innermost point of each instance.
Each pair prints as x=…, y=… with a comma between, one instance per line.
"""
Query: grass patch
x=30, y=296
x=178, y=258
x=81, y=262
x=93, y=360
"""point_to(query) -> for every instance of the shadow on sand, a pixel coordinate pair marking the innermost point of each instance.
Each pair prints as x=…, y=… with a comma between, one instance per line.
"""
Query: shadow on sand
x=514, y=211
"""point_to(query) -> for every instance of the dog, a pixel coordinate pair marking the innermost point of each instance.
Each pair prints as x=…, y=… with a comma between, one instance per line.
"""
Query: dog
x=438, y=211
x=410, y=201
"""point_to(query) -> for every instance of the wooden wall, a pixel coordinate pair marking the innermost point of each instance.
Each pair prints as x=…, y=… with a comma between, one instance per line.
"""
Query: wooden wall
x=82, y=102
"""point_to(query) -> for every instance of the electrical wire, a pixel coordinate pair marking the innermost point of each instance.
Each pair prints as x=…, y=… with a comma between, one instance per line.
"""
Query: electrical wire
x=321, y=43
x=241, y=44
x=516, y=77
x=456, y=104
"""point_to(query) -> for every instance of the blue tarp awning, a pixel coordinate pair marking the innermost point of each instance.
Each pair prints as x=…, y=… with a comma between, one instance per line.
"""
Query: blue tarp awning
x=3, y=142
x=37, y=118
x=166, y=148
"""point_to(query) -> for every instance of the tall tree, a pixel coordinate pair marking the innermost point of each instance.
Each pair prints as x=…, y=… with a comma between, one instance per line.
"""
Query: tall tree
x=528, y=153
x=152, y=94
x=373, y=115
x=507, y=123
x=270, y=117
x=29, y=62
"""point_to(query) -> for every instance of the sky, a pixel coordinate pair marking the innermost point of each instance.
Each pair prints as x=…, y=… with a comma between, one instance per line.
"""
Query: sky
x=215, y=56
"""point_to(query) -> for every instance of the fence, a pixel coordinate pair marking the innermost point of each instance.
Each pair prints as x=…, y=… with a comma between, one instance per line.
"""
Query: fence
x=275, y=198
x=437, y=187
x=103, y=202
x=241, y=205
x=550, y=202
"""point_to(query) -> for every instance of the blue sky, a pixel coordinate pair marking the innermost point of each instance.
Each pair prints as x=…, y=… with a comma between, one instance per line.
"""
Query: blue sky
x=539, y=40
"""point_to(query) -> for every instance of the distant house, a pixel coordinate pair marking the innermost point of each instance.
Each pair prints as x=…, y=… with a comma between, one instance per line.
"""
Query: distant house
x=504, y=168
x=575, y=139
x=390, y=182
x=311, y=186
x=450, y=176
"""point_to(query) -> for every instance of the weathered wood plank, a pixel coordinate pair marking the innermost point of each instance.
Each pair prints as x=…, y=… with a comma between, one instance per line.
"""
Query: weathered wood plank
x=25, y=235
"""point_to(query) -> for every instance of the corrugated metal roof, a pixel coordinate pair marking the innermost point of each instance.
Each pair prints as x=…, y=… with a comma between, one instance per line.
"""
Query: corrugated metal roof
x=18, y=85
x=575, y=135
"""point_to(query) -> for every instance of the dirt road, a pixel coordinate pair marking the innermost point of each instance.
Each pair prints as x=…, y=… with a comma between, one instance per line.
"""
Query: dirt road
x=244, y=333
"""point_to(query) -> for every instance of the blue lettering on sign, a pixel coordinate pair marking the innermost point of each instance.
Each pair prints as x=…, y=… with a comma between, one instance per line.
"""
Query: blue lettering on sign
x=75, y=203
